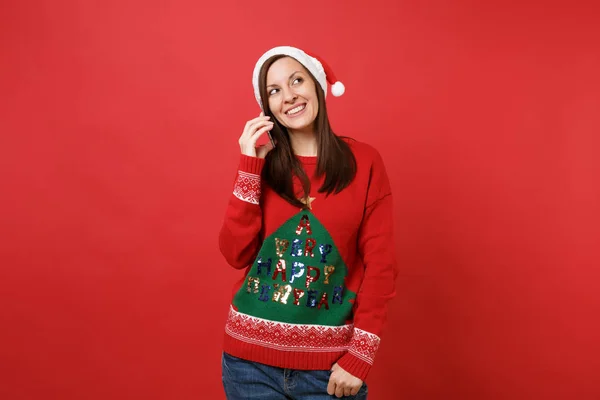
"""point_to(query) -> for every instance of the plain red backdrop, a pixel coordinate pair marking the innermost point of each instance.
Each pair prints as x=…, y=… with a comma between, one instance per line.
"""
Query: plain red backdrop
x=118, y=145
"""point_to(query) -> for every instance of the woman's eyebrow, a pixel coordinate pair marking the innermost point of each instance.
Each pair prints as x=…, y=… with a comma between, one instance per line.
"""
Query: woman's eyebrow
x=293, y=73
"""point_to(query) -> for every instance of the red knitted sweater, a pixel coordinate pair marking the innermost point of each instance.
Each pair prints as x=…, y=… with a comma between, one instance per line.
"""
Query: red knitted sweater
x=316, y=281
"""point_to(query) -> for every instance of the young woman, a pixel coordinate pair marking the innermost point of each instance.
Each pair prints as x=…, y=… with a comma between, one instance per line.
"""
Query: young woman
x=310, y=224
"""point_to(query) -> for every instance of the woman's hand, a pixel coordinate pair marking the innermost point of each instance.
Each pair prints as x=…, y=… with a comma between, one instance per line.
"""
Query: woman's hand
x=252, y=131
x=342, y=383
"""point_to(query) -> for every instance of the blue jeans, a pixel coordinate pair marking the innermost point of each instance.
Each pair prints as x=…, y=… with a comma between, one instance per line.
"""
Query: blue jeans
x=247, y=380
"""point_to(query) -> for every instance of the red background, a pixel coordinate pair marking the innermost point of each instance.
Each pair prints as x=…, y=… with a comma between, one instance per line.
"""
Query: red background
x=118, y=144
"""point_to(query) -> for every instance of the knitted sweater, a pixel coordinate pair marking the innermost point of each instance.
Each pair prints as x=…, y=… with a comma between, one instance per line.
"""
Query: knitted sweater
x=316, y=281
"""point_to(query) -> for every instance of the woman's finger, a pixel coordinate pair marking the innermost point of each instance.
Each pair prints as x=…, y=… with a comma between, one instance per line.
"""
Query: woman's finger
x=261, y=117
x=257, y=124
x=265, y=124
x=249, y=131
x=259, y=133
x=331, y=387
x=263, y=150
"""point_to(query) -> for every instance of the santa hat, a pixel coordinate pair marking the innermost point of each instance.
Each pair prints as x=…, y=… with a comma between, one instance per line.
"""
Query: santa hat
x=320, y=70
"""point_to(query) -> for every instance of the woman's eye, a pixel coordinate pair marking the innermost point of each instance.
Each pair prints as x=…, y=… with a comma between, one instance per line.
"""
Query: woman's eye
x=299, y=80
x=273, y=91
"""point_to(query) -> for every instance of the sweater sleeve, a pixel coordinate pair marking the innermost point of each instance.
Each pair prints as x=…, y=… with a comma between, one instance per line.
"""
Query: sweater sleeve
x=239, y=237
x=376, y=246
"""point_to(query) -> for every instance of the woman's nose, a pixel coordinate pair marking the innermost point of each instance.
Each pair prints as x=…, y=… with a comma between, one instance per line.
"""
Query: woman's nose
x=289, y=96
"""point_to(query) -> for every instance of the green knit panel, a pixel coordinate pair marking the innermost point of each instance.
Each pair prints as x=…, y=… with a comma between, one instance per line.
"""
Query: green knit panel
x=298, y=277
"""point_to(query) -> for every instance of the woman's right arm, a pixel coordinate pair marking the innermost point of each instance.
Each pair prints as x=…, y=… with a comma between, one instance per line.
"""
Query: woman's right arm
x=239, y=238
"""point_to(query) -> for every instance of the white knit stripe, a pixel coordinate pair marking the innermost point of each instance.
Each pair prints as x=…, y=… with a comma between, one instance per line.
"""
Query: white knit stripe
x=358, y=355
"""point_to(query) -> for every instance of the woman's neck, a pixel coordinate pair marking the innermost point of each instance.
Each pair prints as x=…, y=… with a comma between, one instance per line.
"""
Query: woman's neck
x=304, y=143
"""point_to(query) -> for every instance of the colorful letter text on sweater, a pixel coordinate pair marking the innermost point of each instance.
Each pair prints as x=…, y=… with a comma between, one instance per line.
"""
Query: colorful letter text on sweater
x=298, y=277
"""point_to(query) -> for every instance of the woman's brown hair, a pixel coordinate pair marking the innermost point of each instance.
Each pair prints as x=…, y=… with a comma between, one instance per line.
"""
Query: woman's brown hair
x=335, y=159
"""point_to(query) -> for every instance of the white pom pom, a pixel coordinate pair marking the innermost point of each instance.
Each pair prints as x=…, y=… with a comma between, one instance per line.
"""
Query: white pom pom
x=338, y=89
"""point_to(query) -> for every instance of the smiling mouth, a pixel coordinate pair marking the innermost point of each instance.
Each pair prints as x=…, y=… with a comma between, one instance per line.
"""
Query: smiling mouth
x=295, y=110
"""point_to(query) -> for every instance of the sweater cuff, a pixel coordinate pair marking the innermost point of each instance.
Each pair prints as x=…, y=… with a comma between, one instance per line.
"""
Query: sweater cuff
x=251, y=165
x=248, y=182
x=355, y=366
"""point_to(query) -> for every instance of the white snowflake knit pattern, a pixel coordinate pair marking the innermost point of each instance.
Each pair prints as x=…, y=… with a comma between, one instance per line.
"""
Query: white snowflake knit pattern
x=247, y=187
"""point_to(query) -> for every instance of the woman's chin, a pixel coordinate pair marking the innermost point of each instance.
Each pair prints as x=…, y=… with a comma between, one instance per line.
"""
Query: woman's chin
x=300, y=126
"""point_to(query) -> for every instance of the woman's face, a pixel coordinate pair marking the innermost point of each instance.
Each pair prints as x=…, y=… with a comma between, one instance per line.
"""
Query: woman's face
x=292, y=95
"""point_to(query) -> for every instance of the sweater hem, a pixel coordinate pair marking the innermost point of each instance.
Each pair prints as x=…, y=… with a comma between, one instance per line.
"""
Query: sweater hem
x=291, y=359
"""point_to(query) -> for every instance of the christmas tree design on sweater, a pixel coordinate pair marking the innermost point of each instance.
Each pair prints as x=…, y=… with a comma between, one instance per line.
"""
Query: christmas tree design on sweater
x=297, y=277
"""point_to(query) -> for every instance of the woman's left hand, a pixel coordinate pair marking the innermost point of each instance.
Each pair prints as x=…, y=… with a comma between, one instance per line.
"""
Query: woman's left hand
x=342, y=383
